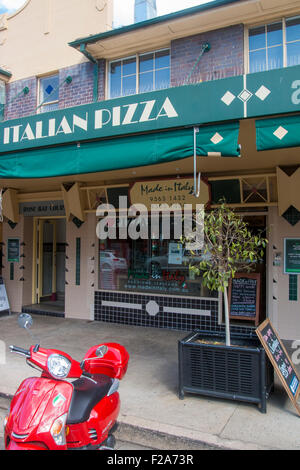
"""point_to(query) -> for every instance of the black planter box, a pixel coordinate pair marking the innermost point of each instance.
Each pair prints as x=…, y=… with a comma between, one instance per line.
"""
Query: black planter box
x=240, y=372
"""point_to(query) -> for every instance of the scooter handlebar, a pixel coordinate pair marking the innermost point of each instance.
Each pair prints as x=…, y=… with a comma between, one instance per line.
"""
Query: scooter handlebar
x=16, y=349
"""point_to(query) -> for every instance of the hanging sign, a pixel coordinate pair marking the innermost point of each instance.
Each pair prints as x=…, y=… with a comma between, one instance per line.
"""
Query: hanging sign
x=282, y=363
x=169, y=191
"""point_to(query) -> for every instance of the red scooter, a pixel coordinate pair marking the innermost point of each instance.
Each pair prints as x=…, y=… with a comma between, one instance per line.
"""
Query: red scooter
x=51, y=413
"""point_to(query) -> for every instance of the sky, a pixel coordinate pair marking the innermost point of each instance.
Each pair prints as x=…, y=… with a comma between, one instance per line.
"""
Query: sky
x=10, y=5
x=124, y=8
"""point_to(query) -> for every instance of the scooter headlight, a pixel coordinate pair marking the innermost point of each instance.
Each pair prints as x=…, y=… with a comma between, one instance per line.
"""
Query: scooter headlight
x=58, y=366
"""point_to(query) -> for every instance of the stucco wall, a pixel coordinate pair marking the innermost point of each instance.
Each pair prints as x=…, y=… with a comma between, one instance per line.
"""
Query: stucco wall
x=284, y=313
x=35, y=40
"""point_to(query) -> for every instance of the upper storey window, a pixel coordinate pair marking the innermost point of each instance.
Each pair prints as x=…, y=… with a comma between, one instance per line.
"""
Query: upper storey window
x=139, y=74
x=48, y=93
x=274, y=45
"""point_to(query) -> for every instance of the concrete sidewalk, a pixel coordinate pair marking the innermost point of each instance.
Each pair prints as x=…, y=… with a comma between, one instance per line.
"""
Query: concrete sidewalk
x=151, y=413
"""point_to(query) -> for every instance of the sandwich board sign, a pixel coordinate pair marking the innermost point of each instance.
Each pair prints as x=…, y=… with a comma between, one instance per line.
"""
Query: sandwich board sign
x=279, y=357
x=4, y=304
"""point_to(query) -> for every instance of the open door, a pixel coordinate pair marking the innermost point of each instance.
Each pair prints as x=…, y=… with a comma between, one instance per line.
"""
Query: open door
x=47, y=261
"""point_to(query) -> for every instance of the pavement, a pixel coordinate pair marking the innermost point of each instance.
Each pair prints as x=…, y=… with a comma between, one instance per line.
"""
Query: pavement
x=152, y=416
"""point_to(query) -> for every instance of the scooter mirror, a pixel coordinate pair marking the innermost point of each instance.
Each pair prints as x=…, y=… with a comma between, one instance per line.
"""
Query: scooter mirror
x=25, y=321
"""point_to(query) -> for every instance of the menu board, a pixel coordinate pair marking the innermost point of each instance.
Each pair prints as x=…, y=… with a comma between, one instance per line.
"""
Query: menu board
x=279, y=357
x=291, y=255
x=244, y=297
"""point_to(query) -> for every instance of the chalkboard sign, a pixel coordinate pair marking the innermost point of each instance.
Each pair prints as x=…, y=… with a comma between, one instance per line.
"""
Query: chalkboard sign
x=244, y=297
x=279, y=357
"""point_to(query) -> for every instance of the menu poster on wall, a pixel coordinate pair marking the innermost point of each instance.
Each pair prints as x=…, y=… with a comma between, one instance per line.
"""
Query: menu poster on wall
x=281, y=361
x=13, y=250
x=291, y=255
x=244, y=297
x=175, y=253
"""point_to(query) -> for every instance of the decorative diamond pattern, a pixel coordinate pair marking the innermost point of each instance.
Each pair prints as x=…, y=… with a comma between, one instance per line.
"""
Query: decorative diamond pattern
x=280, y=132
x=49, y=89
x=216, y=139
x=262, y=93
x=228, y=98
x=245, y=95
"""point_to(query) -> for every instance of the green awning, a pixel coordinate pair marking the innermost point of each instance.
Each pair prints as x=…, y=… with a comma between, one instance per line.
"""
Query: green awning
x=278, y=133
x=121, y=153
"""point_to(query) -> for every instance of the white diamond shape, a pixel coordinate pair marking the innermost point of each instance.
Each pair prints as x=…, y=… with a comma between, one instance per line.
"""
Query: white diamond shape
x=152, y=308
x=245, y=95
x=228, y=98
x=262, y=93
x=217, y=138
x=280, y=132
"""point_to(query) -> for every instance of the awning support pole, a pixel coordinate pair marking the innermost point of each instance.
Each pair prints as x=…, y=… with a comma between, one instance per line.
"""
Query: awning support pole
x=197, y=183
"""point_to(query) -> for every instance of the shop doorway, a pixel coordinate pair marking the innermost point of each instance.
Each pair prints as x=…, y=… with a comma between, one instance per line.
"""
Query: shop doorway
x=48, y=274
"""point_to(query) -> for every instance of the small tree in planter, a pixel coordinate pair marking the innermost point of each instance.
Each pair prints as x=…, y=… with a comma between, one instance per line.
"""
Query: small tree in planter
x=229, y=247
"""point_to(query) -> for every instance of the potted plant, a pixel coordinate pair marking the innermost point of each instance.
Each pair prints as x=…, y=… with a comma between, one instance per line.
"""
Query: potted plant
x=213, y=363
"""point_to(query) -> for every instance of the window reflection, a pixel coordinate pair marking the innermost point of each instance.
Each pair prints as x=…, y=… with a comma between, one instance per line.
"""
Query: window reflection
x=149, y=266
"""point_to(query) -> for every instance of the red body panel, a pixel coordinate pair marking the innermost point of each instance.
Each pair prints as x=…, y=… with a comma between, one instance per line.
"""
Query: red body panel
x=36, y=405
x=114, y=363
x=40, y=359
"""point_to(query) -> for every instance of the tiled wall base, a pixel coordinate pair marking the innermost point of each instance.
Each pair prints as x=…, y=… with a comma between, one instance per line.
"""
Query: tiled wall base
x=158, y=311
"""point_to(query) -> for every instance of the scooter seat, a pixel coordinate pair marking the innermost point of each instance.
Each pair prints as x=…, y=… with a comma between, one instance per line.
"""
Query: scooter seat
x=87, y=392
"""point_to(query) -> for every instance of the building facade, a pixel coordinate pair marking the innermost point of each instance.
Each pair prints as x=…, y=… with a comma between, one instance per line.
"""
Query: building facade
x=94, y=115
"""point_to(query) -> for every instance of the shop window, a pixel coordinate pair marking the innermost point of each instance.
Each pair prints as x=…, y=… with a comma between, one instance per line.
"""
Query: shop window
x=48, y=93
x=274, y=45
x=158, y=266
x=139, y=74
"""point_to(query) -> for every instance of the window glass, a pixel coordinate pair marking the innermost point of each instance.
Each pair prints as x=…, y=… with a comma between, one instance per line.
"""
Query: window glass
x=293, y=53
x=146, y=82
x=157, y=266
x=258, y=61
x=275, y=57
x=146, y=62
x=268, y=46
x=49, y=93
x=162, y=79
x=153, y=70
x=293, y=29
x=257, y=38
x=129, y=85
x=49, y=89
x=129, y=67
x=274, y=34
x=162, y=59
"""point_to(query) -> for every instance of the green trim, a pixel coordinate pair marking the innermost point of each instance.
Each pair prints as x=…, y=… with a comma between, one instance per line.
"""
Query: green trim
x=5, y=73
x=293, y=287
x=282, y=132
x=120, y=153
x=78, y=253
x=159, y=19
